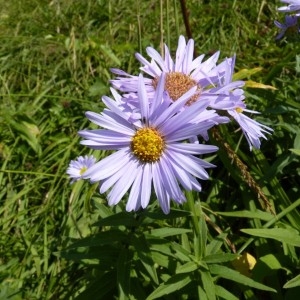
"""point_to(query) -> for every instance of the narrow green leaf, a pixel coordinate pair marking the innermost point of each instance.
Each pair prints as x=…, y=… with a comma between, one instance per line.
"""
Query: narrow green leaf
x=187, y=268
x=219, y=258
x=244, y=73
x=224, y=294
x=293, y=282
x=201, y=293
x=215, y=245
x=284, y=235
x=233, y=275
x=295, y=151
x=258, y=214
x=181, y=253
x=258, y=85
x=185, y=242
x=164, y=232
x=159, y=245
x=172, y=285
x=208, y=284
x=271, y=261
x=162, y=260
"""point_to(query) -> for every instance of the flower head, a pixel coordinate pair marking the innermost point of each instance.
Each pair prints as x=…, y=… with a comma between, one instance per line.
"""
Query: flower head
x=252, y=129
x=289, y=27
x=79, y=166
x=182, y=74
x=150, y=151
x=234, y=105
x=293, y=6
x=213, y=83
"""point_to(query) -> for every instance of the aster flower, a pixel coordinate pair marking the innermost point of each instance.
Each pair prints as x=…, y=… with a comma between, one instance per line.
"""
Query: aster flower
x=293, y=6
x=212, y=82
x=290, y=26
x=181, y=75
x=252, y=129
x=235, y=106
x=150, y=151
x=79, y=166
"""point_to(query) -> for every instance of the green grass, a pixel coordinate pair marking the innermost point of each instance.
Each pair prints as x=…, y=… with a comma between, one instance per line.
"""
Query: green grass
x=54, y=65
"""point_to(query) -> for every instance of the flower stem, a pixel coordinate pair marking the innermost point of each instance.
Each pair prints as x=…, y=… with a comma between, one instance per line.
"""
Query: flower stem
x=199, y=225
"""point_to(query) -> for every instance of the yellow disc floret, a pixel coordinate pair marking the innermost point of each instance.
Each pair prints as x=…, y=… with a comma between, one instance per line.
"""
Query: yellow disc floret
x=239, y=110
x=147, y=144
x=178, y=84
x=82, y=170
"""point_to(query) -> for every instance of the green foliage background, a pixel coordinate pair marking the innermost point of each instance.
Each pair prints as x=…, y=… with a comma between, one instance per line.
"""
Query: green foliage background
x=60, y=241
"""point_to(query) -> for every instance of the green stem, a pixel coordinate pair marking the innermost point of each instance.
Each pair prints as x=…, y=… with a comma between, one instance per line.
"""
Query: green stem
x=199, y=226
x=192, y=209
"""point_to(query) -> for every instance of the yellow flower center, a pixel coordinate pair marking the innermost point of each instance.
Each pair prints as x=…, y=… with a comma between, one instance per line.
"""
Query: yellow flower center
x=82, y=170
x=147, y=145
x=178, y=84
x=239, y=110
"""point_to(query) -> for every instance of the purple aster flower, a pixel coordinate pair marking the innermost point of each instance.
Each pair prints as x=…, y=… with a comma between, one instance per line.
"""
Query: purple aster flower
x=290, y=26
x=234, y=105
x=79, y=166
x=181, y=75
x=252, y=129
x=152, y=151
x=293, y=6
x=213, y=82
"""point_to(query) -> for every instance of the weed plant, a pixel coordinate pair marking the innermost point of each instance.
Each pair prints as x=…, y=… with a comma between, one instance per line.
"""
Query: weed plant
x=55, y=58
